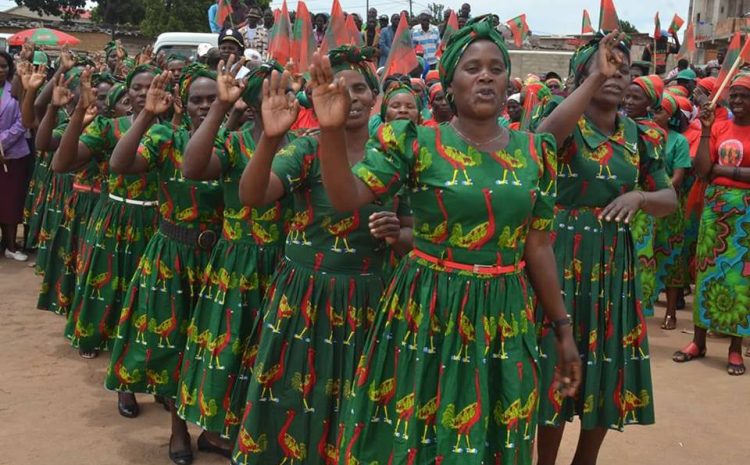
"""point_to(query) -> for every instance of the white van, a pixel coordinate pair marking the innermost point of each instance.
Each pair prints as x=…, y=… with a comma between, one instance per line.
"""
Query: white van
x=184, y=43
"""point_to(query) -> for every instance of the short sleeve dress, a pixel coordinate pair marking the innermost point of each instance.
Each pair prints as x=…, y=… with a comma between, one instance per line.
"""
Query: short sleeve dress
x=238, y=273
x=449, y=373
x=163, y=291
x=114, y=241
x=597, y=268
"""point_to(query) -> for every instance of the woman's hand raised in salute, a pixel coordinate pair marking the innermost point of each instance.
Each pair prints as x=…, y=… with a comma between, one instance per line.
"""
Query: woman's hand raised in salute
x=228, y=88
x=279, y=107
x=159, y=99
x=330, y=96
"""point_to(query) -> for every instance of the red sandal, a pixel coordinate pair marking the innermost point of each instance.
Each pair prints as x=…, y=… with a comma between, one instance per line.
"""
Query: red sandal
x=735, y=364
x=689, y=353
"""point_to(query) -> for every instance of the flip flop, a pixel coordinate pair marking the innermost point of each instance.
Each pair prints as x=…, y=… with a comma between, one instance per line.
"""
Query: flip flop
x=735, y=365
x=689, y=353
x=670, y=323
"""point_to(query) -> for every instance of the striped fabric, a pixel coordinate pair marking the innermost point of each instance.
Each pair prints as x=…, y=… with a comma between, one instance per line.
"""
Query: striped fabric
x=430, y=40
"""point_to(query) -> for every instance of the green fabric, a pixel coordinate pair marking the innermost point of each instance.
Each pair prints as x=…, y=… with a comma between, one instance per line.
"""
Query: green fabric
x=115, y=94
x=581, y=57
x=392, y=92
x=597, y=270
x=359, y=59
x=138, y=70
x=687, y=75
x=240, y=269
x=254, y=86
x=164, y=289
x=98, y=78
x=40, y=58
x=481, y=28
x=190, y=73
x=74, y=74
x=372, y=126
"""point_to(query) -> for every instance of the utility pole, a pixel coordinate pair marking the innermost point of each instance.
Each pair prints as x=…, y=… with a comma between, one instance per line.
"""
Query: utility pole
x=411, y=10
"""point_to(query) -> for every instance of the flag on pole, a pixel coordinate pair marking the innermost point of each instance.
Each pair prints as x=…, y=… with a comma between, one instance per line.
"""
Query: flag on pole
x=688, y=47
x=657, y=27
x=586, y=27
x=677, y=23
x=519, y=28
x=451, y=27
x=735, y=57
x=402, y=58
x=336, y=33
x=223, y=12
x=279, y=41
x=303, y=39
x=608, y=20
x=355, y=37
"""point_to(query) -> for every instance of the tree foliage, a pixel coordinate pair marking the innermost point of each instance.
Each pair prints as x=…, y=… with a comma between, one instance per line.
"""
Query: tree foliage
x=119, y=11
x=627, y=27
x=175, y=15
x=437, y=11
x=66, y=9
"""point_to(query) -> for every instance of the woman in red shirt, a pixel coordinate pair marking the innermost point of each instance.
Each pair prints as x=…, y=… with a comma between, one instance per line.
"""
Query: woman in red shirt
x=722, y=297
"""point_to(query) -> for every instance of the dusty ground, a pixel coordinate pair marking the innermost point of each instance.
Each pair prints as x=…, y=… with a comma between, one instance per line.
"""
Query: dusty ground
x=54, y=410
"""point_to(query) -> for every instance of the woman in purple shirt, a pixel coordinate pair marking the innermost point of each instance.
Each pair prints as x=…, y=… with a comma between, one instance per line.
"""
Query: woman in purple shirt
x=14, y=173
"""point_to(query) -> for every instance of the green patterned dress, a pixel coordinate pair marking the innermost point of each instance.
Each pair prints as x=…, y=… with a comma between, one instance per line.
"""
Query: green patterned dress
x=449, y=374
x=241, y=265
x=597, y=267
x=149, y=345
x=114, y=241
x=304, y=349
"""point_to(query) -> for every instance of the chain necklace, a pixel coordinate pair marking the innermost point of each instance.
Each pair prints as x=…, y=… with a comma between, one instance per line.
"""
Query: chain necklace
x=472, y=141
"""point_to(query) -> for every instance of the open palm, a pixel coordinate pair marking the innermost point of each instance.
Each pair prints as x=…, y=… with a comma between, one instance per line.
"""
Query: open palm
x=61, y=94
x=37, y=78
x=609, y=62
x=330, y=97
x=159, y=99
x=228, y=88
x=88, y=95
x=279, y=109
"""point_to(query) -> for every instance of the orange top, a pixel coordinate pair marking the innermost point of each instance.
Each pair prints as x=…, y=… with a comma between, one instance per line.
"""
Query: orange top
x=730, y=146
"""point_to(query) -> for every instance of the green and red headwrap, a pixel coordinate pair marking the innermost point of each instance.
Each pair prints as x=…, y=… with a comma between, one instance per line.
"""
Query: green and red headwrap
x=114, y=96
x=741, y=80
x=653, y=87
x=74, y=74
x=583, y=55
x=98, y=78
x=435, y=89
x=252, y=93
x=357, y=59
x=151, y=69
x=707, y=84
x=678, y=90
x=672, y=103
x=394, y=91
x=480, y=28
x=112, y=47
x=189, y=75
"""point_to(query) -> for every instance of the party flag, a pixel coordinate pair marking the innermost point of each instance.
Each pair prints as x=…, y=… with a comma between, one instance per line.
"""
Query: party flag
x=677, y=23
x=303, y=39
x=688, y=47
x=223, y=12
x=279, y=41
x=451, y=27
x=657, y=27
x=355, y=37
x=608, y=20
x=735, y=57
x=519, y=28
x=336, y=33
x=402, y=58
x=586, y=27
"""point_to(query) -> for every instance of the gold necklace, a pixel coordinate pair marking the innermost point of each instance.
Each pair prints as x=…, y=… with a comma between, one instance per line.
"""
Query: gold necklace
x=472, y=141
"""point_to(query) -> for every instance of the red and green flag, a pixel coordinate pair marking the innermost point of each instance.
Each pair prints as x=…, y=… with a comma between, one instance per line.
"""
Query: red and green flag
x=586, y=27
x=451, y=27
x=223, y=12
x=688, y=47
x=657, y=27
x=402, y=58
x=303, y=39
x=336, y=33
x=280, y=41
x=355, y=37
x=677, y=23
x=608, y=20
x=519, y=28
x=735, y=57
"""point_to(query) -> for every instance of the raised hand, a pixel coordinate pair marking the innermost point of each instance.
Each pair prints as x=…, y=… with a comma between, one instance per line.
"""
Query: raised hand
x=228, y=88
x=88, y=94
x=707, y=115
x=177, y=102
x=35, y=79
x=61, y=94
x=27, y=50
x=146, y=55
x=608, y=62
x=159, y=99
x=279, y=109
x=119, y=50
x=330, y=97
x=67, y=60
x=24, y=69
x=91, y=113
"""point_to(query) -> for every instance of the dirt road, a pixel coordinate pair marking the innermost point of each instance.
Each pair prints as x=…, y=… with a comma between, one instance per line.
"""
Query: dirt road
x=55, y=411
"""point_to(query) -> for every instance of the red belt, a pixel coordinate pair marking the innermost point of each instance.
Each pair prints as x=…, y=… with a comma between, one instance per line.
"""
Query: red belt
x=478, y=269
x=85, y=188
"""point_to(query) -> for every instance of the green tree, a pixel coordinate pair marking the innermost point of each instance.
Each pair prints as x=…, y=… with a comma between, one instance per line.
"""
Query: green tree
x=627, y=27
x=66, y=9
x=437, y=12
x=175, y=15
x=119, y=12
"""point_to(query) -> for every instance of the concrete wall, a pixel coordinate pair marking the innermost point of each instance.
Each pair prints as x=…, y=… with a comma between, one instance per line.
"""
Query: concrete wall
x=539, y=62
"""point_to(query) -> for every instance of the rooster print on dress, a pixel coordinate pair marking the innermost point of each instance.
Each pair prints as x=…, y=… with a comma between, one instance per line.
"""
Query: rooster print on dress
x=597, y=267
x=449, y=372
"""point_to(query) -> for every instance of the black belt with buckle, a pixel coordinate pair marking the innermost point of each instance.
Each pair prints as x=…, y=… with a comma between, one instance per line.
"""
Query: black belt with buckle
x=193, y=237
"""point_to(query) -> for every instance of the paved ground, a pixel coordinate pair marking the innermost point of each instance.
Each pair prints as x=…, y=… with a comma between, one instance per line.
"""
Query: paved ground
x=54, y=410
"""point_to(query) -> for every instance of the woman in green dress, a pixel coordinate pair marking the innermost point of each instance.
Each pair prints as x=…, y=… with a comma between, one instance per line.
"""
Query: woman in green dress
x=148, y=351
x=722, y=294
x=609, y=169
x=59, y=271
x=672, y=265
x=118, y=231
x=241, y=265
x=321, y=303
x=641, y=101
x=449, y=373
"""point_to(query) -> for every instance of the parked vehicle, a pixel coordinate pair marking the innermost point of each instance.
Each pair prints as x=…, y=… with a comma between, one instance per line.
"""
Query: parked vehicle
x=184, y=43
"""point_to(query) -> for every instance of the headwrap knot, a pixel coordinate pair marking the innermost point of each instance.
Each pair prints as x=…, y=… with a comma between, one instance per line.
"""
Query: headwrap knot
x=357, y=59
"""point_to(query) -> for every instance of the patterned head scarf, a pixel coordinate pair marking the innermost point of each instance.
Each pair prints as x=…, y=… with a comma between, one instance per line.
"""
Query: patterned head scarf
x=115, y=94
x=255, y=78
x=112, y=47
x=707, y=84
x=151, y=69
x=741, y=80
x=435, y=89
x=356, y=59
x=189, y=75
x=583, y=55
x=653, y=87
x=394, y=91
x=678, y=90
x=480, y=28
x=98, y=78
x=676, y=107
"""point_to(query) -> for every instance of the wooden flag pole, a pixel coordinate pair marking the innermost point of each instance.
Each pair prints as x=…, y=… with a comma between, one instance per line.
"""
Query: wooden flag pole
x=727, y=78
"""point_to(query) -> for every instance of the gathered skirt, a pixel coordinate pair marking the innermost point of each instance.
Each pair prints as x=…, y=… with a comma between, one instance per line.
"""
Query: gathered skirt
x=14, y=185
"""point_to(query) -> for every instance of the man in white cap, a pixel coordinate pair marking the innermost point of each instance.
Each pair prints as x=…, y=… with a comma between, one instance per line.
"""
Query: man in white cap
x=428, y=36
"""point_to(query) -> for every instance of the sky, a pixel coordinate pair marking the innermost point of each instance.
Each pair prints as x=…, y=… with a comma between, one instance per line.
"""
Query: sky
x=543, y=16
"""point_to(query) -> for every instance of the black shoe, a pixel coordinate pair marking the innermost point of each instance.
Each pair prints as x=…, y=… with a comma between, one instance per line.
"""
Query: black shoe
x=204, y=445
x=161, y=400
x=128, y=411
x=182, y=457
